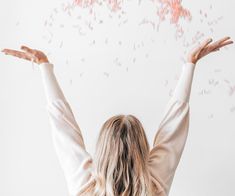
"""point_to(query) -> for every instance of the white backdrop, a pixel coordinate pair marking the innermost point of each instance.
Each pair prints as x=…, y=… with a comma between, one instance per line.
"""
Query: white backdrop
x=115, y=62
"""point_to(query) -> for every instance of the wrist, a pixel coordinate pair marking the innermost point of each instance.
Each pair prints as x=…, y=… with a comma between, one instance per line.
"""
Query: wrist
x=44, y=61
x=191, y=62
x=46, y=66
x=189, y=65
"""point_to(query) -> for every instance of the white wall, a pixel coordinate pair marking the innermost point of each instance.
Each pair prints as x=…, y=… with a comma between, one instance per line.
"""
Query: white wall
x=119, y=66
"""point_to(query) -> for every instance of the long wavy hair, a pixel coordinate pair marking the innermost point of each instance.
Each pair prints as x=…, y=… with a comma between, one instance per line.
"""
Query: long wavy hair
x=120, y=162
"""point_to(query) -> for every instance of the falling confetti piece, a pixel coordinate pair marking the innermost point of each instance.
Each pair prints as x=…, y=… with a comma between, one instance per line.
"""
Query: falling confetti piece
x=225, y=80
x=106, y=41
x=55, y=10
x=204, y=92
x=166, y=83
x=211, y=116
x=106, y=74
x=231, y=90
x=117, y=62
x=179, y=31
x=217, y=70
x=145, y=21
x=232, y=109
x=61, y=44
x=134, y=60
x=171, y=92
x=213, y=82
x=92, y=43
x=134, y=47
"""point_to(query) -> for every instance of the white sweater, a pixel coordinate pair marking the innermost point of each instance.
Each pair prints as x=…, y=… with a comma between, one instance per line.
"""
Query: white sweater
x=76, y=162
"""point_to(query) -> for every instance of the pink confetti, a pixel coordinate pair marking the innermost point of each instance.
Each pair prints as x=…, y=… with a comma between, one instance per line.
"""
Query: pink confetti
x=231, y=90
x=174, y=8
x=179, y=31
x=113, y=4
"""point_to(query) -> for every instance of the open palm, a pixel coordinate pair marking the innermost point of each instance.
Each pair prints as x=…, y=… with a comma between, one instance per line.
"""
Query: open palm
x=29, y=54
x=207, y=47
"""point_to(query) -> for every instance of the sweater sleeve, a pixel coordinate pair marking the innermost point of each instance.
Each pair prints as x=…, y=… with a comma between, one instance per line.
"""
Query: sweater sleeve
x=75, y=161
x=172, y=133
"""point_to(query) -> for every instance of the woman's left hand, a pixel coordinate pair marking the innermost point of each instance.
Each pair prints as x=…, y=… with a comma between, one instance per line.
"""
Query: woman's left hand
x=206, y=48
x=29, y=54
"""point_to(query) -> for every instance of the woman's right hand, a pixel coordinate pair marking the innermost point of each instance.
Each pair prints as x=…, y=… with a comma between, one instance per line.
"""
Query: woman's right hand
x=206, y=48
x=29, y=54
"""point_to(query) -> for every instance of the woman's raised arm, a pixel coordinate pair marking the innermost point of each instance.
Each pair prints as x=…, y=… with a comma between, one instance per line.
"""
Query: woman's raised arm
x=75, y=161
x=172, y=132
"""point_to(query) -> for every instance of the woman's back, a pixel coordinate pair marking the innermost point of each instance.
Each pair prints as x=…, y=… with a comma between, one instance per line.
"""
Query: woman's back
x=123, y=162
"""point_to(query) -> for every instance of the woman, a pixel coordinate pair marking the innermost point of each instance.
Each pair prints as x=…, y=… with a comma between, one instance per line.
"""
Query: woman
x=123, y=164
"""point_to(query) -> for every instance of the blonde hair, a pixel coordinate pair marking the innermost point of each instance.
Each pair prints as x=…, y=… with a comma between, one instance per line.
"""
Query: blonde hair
x=121, y=159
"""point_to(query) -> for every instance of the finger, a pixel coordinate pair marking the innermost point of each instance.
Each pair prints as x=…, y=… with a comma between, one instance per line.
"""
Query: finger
x=202, y=50
x=215, y=44
x=216, y=49
x=28, y=50
x=225, y=44
x=18, y=54
x=223, y=39
x=206, y=42
x=23, y=56
x=221, y=45
x=10, y=51
x=202, y=46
